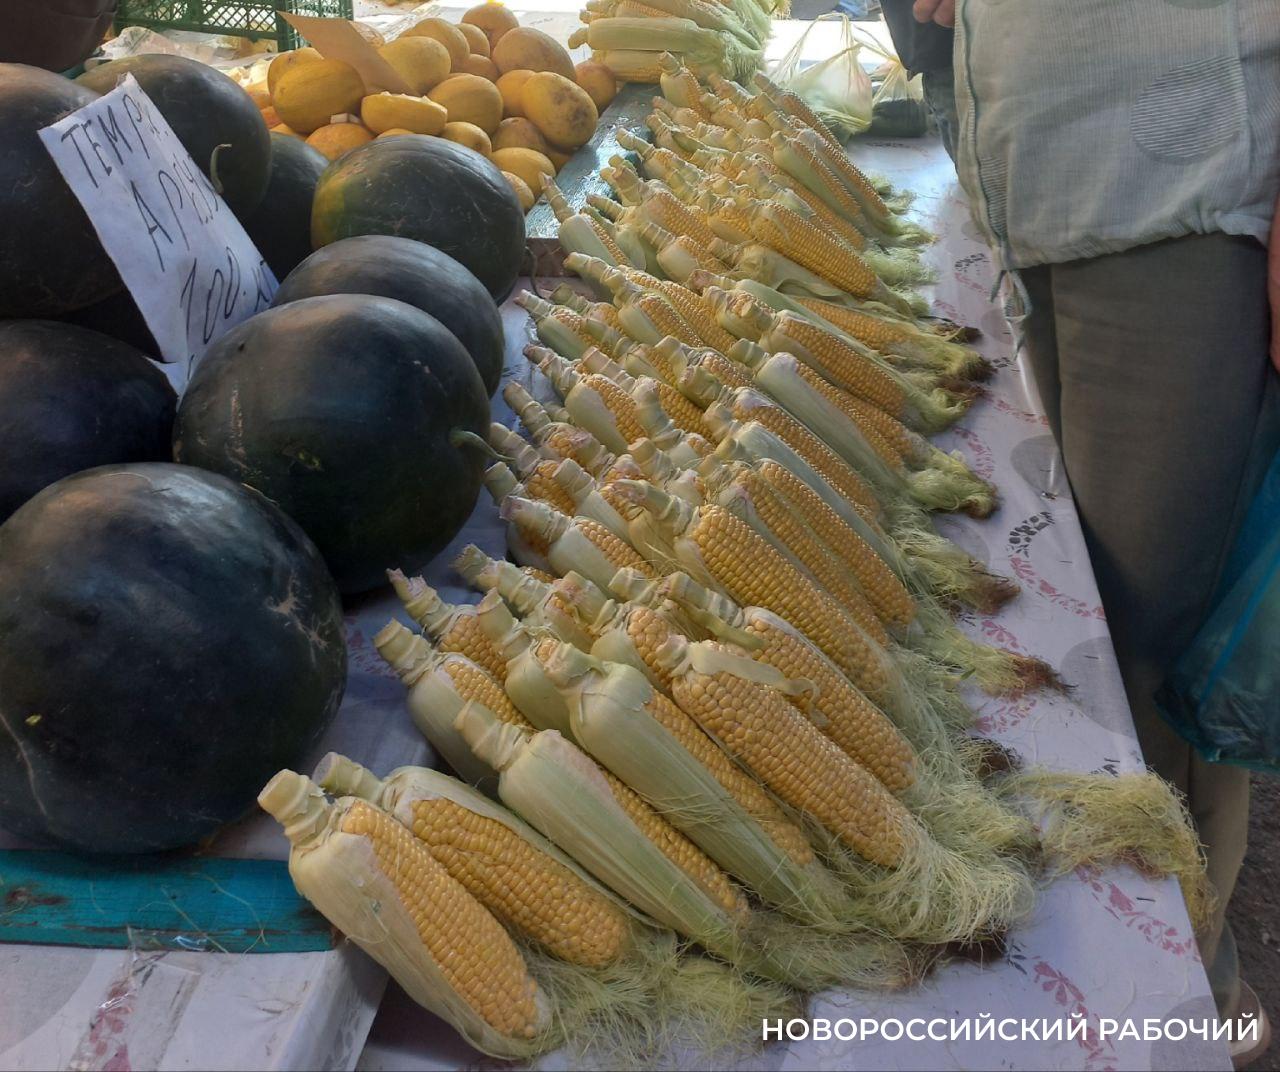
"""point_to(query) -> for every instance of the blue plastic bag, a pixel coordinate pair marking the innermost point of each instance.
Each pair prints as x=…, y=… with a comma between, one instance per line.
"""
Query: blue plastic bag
x=1224, y=694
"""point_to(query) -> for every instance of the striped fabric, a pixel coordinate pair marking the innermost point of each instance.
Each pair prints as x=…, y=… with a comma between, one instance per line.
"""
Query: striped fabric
x=1092, y=126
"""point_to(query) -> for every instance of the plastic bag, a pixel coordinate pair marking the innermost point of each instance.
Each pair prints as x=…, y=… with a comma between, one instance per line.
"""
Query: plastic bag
x=898, y=109
x=1224, y=694
x=837, y=88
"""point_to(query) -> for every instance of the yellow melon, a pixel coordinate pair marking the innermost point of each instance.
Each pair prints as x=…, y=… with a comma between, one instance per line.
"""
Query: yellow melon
x=308, y=95
x=468, y=134
x=394, y=132
x=381, y=112
x=527, y=49
x=511, y=86
x=532, y=166
x=562, y=110
x=421, y=61
x=519, y=133
x=493, y=18
x=447, y=34
x=470, y=99
x=476, y=39
x=286, y=60
x=481, y=65
x=598, y=81
x=338, y=138
x=523, y=194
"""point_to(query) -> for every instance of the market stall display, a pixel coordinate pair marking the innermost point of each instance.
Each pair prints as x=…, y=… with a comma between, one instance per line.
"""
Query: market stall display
x=716, y=703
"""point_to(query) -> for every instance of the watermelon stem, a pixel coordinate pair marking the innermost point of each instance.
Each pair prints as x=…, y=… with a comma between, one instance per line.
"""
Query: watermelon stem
x=213, y=167
x=460, y=437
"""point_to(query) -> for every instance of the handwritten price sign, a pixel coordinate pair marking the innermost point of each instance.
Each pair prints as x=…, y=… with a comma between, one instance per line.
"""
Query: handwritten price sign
x=186, y=260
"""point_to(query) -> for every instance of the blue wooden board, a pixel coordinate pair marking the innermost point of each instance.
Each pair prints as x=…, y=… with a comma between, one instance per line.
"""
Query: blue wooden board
x=180, y=902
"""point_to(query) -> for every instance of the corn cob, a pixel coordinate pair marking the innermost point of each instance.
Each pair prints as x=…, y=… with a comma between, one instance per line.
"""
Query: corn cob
x=748, y=405
x=381, y=887
x=506, y=865
x=748, y=496
x=602, y=311
x=579, y=544
x=506, y=745
x=536, y=476
x=651, y=744
x=685, y=448
x=596, y=403
x=840, y=707
x=724, y=552
x=679, y=86
x=452, y=628
x=555, y=439
x=785, y=750
x=771, y=96
x=579, y=232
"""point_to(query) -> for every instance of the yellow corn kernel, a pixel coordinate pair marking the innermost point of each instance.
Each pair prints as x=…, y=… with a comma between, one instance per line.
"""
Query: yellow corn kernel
x=617, y=551
x=781, y=519
x=877, y=581
x=876, y=332
x=754, y=574
x=804, y=243
x=539, y=484
x=860, y=728
x=788, y=753
x=524, y=888
x=667, y=211
x=475, y=954
x=698, y=313
x=864, y=416
x=473, y=682
x=840, y=363
x=452, y=628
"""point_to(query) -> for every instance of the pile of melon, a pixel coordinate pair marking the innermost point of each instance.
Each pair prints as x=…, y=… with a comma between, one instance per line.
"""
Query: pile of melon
x=508, y=92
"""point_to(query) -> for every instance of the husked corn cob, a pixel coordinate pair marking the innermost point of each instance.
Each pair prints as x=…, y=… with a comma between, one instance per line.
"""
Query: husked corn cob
x=565, y=331
x=799, y=160
x=805, y=244
x=579, y=232
x=522, y=589
x=452, y=628
x=747, y=494
x=502, y=862
x=785, y=750
x=724, y=551
x=837, y=361
x=679, y=86
x=537, y=478
x=674, y=846
x=860, y=728
x=748, y=405
x=874, y=331
x=793, y=104
x=580, y=543
x=852, y=177
x=584, y=490
x=685, y=448
x=381, y=887
x=601, y=311
x=663, y=208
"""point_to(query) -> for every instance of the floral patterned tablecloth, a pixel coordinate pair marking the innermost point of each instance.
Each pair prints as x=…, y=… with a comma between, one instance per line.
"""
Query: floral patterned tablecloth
x=1100, y=946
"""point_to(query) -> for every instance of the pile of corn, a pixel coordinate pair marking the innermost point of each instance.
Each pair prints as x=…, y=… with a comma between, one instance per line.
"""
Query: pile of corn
x=710, y=37
x=709, y=748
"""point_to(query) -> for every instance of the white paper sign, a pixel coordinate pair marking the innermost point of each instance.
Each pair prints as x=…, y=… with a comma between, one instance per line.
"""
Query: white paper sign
x=180, y=250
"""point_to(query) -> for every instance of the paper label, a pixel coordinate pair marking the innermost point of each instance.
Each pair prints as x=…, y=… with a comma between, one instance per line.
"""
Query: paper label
x=186, y=260
x=338, y=39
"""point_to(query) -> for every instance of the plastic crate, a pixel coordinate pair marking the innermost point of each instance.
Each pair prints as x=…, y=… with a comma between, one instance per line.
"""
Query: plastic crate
x=253, y=19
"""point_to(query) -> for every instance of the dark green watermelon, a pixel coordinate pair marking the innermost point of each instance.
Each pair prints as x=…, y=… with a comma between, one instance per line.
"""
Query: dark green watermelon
x=352, y=413
x=431, y=189
x=119, y=317
x=71, y=399
x=410, y=272
x=206, y=110
x=50, y=258
x=280, y=226
x=169, y=639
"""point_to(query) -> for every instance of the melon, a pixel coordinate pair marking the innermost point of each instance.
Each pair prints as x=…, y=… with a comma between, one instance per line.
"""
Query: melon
x=470, y=98
x=430, y=189
x=208, y=112
x=169, y=639
x=411, y=272
x=494, y=18
x=438, y=29
x=470, y=135
x=71, y=399
x=118, y=317
x=51, y=261
x=361, y=417
x=527, y=49
x=309, y=95
x=337, y=139
x=281, y=225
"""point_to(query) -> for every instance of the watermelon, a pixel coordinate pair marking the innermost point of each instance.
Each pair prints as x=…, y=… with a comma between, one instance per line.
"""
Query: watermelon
x=431, y=189
x=280, y=225
x=71, y=399
x=50, y=258
x=411, y=272
x=119, y=317
x=208, y=112
x=169, y=639
x=362, y=417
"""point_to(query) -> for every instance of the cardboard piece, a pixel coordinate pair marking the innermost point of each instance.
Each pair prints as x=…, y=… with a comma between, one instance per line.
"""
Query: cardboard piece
x=186, y=260
x=338, y=39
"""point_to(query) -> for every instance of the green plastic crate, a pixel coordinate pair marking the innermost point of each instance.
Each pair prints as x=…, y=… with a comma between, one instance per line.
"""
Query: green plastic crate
x=253, y=19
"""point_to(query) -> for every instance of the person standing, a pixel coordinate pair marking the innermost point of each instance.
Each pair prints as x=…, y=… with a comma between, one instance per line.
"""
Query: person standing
x=1123, y=160
x=925, y=48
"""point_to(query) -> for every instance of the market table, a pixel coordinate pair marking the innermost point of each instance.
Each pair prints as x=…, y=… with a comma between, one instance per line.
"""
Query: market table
x=1100, y=945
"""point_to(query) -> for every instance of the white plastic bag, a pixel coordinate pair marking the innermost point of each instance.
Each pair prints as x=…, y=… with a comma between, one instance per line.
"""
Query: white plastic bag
x=837, y=88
